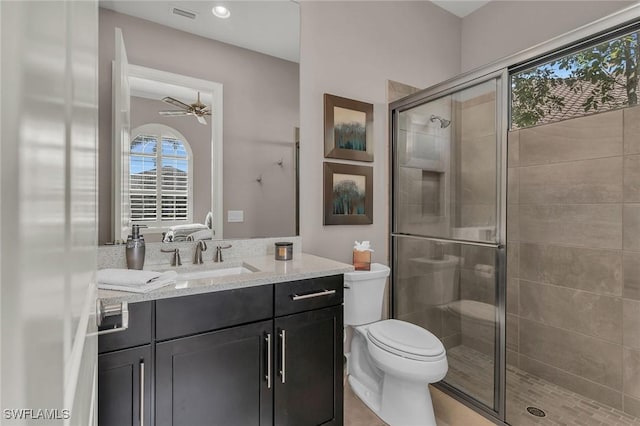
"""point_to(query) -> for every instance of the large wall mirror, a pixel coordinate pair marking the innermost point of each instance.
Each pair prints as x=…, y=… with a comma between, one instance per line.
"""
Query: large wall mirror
x=226, y=168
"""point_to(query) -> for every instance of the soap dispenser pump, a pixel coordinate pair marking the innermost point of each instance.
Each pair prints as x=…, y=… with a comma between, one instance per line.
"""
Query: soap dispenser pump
x=135, y=248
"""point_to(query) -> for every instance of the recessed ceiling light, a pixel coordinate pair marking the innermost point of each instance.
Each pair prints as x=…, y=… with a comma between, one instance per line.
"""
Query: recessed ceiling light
x=221, y=12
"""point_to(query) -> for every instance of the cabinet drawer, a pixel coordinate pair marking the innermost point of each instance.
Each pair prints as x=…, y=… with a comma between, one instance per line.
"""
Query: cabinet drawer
x=138, y=333
x=182, y=316
x=305, y=295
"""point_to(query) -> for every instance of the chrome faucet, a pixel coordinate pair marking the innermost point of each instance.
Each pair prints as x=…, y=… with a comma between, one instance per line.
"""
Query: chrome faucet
x=200, y=247
x=218, y=256
x=176, y=256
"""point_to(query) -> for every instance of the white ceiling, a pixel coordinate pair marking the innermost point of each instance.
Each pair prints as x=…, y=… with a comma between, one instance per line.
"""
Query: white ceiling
x=271, y=27
x=460, y=8
x=156, y=90
x=266, y=26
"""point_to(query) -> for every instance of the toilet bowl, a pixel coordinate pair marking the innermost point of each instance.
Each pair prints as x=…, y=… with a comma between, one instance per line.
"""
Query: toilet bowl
x=391, y=362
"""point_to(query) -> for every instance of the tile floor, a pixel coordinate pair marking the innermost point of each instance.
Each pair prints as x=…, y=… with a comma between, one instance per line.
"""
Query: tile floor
x=449, y=412
x=473, y=371
x=358, y=414
x=562, y=407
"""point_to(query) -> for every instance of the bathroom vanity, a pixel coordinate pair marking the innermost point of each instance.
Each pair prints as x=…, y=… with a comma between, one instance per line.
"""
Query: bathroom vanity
x=260, y=349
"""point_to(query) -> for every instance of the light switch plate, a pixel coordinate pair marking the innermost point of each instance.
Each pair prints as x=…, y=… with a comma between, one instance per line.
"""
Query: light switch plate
x=235, y=215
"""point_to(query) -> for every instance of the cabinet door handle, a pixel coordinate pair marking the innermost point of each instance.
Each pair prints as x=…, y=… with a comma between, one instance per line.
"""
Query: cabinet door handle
x=324, y=292
x=141, y=392
x=268, y=377
x=283, y=350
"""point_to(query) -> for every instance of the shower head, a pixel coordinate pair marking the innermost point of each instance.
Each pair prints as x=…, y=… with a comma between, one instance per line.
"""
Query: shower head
x=444, y=123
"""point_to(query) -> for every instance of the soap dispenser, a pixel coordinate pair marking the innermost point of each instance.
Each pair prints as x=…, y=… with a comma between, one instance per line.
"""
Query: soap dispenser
x=135, y=248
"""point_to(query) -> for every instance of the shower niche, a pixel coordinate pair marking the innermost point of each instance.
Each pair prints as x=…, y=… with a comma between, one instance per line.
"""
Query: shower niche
x=433, y=193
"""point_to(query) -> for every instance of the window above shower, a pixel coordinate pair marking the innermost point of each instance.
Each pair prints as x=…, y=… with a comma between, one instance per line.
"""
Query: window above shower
x=600, y=77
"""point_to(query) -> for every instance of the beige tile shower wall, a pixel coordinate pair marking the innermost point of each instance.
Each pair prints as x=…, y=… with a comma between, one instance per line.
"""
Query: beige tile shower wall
x=573, y=248
x=416, y=189
x=476, y=161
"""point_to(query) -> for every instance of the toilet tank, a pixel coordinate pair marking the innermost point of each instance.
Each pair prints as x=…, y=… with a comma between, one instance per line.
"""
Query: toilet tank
x=363, y=295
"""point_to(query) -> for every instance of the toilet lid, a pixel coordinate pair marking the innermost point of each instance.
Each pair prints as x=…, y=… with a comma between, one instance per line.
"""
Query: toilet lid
x=405, y=339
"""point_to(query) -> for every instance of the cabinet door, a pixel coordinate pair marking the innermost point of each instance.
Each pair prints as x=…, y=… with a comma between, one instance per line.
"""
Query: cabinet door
x=309, y=363
x=124, y=387
x=217, y=378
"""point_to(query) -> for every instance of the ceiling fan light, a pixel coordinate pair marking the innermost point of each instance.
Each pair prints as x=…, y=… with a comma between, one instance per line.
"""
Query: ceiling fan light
x=221, y=12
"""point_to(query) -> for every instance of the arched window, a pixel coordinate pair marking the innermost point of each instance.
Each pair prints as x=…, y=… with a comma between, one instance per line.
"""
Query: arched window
x=161, y=177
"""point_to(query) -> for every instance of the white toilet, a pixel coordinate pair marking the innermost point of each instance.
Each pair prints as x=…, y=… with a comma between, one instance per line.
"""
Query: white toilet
x=391, y=362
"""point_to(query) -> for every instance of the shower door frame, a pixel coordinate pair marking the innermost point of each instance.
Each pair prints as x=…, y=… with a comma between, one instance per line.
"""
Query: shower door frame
x=501, y=123
x=616, y=22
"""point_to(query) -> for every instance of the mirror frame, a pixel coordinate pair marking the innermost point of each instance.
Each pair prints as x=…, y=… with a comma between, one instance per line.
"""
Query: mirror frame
x=203, y=86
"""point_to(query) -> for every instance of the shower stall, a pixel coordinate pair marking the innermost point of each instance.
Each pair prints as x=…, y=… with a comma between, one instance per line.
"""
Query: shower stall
x=518, y=245
x=448, y=228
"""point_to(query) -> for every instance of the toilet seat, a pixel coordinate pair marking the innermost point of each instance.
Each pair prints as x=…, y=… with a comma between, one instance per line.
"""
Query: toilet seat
x=406, y=340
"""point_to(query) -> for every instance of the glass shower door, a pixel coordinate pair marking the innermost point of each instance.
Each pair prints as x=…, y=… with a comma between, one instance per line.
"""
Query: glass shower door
x=447, y=231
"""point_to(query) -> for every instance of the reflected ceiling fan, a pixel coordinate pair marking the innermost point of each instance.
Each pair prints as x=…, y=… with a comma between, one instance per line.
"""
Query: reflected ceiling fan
x=197, y=109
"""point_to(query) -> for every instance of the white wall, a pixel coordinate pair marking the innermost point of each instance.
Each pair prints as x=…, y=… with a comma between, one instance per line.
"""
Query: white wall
x=350, y=49
x=501, y=28
x=49, y=113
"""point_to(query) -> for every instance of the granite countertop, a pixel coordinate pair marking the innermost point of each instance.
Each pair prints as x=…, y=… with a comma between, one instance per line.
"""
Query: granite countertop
x=266, y=270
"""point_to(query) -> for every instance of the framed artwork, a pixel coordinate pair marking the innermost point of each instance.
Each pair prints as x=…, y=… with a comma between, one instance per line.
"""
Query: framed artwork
x=348, y=194
x=348, y=129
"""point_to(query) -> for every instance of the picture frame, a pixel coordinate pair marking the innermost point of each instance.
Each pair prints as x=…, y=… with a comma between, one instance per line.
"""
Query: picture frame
x=348, y=129
x=348, y=194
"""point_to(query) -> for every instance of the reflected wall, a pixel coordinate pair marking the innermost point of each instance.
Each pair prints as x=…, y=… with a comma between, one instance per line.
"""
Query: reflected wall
x=261, y=112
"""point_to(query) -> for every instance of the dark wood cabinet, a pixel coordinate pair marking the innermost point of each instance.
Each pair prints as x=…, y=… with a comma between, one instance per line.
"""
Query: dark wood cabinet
x=217, y=378
x=309, y=389
x=124, y=387
x=264, y=355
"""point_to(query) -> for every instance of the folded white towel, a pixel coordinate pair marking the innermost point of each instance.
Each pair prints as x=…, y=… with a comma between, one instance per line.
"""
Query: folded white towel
x=180, y=232
x=205, y=234
x=133, y=280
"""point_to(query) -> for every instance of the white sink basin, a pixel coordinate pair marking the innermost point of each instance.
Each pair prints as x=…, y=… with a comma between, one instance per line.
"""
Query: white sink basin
x=214, y=273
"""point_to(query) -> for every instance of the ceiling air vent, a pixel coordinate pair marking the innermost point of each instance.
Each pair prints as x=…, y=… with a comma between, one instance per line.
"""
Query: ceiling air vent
x=184, y=13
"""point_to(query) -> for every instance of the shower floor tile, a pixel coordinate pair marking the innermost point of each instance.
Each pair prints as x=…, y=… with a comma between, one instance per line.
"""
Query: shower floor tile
x=472, y=371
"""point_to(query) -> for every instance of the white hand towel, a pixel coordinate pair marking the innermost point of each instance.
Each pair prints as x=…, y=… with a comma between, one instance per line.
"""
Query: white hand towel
x=200, y=235
x=133, y=280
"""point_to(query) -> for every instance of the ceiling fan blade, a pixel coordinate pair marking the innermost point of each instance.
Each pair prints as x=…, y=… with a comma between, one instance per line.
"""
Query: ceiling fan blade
x=175, y=102
x=201, y=119
x=175, y=113
x=205, y=111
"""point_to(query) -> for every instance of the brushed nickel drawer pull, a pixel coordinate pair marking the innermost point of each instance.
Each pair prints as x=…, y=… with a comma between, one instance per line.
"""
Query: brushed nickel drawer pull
x=309, y=296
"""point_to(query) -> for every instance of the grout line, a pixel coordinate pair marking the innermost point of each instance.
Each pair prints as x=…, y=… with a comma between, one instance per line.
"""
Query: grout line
x=579, y=160
x=609, y=295
x=566, y=330
x=559, y=162
x=553, y=367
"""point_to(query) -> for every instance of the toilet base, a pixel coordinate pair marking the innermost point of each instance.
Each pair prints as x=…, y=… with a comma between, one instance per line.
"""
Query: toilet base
x=400, y=403
x=371, y=399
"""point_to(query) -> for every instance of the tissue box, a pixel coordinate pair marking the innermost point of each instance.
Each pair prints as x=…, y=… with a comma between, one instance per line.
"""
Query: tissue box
x=362, y=260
